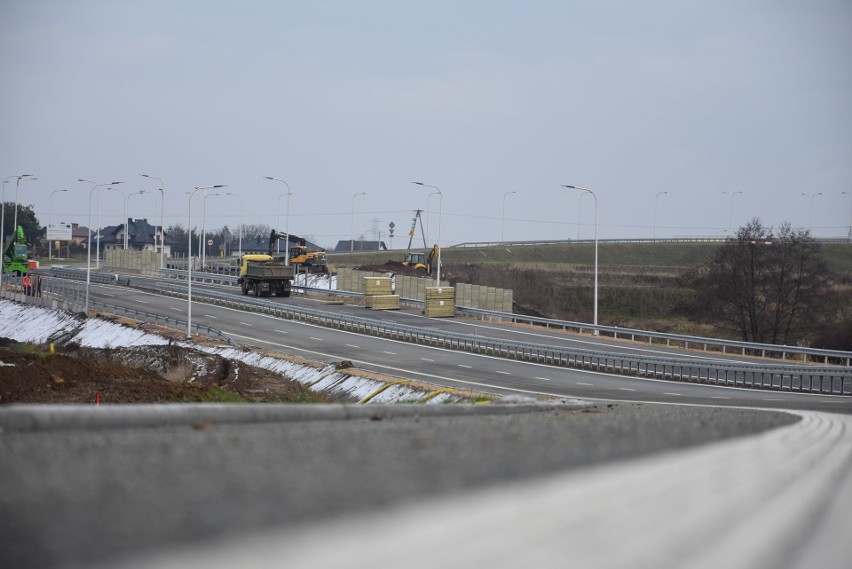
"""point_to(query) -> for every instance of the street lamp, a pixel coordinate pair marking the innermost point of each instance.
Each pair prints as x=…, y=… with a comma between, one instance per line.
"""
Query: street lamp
x=731, y=215
x=440, y=205
x=850, y=213
x=429, y=215
x=50, y=224
x=656, y=202
x=352, y=227
x=95, y=186
x=139, y=193
x=17, y=183
x=126, y=225
x=204, y=230
x=162, y=218
x=189, y=258
x=503, y=223
x=811, y=217
x=241, y=223
x=278, y=242
x=579, y=213
x=596, y=249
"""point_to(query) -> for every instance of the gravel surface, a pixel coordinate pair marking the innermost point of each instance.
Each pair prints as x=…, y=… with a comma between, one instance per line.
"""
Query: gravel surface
x=71, y=498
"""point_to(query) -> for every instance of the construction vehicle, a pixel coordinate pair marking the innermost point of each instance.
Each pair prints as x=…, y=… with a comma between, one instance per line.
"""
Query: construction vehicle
x=16, y=255
x=313, y=261
x=300, y=256
x=264, y=275
x=421, y=260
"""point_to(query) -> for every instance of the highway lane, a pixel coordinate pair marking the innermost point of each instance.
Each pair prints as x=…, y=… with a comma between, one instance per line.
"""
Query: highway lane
x=517, y=333
x=461, y=370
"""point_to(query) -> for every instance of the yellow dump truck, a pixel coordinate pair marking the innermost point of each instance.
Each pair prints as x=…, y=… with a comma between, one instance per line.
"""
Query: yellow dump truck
x=263, y=275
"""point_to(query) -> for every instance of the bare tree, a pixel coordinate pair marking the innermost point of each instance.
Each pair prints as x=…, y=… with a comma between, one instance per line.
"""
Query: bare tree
x=767, y=287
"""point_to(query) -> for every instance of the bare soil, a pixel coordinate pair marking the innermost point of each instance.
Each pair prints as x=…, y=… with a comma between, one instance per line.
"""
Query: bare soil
x=149, y=374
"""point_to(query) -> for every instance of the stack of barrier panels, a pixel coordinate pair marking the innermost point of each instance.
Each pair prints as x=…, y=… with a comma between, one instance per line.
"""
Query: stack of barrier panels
x=384, y=301
x=377, y=294
x=440, y=302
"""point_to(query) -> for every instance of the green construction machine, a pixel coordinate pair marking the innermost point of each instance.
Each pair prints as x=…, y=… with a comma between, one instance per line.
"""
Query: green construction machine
x=16, y=255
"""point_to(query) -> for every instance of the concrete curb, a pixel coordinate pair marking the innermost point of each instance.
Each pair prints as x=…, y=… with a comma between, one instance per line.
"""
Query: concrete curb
x=40, y=418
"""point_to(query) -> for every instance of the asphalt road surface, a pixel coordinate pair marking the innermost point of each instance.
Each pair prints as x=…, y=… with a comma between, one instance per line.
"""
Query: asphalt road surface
x=458, y=369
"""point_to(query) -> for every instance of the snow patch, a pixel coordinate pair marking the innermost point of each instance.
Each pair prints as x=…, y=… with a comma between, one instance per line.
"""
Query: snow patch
x=39, y=325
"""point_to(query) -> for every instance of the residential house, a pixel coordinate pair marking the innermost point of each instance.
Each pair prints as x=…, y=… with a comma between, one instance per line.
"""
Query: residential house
x=141, y=236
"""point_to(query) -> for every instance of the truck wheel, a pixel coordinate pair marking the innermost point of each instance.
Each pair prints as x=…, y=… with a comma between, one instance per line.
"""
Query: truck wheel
x=244, y=288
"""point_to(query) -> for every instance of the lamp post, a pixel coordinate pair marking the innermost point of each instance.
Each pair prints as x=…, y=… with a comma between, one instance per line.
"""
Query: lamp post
x=98, y=239
x=440, y=205
x=811, y=216
x=50, y=223
x=126, y=228
x=731, y=215
x=579, y=212
x=17, y=183
x=162, y=189
x=204, y=230
x=850, y=213
x=139, y=193
x=278, y=242
x=503, y=222
x=95, y=186
x=240, y=255
x=656, y=202
x=596, y=250
x=189, y=258
x=3, y=221
x=352, y=226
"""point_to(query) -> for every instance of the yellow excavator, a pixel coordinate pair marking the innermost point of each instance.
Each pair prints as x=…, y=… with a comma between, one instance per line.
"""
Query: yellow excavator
x=313, y=261
x=421, y=261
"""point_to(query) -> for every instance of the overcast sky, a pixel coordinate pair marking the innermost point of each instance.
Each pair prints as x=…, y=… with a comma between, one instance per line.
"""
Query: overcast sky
x=479, y=98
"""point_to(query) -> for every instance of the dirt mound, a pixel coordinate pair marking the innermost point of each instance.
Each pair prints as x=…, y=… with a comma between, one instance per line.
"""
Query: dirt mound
x=148, y=374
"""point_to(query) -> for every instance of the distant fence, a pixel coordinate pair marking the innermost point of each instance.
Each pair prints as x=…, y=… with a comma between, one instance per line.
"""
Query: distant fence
x=467, y=295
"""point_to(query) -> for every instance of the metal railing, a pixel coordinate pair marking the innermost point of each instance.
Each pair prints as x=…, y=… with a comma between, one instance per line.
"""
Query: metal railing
x=773, y=351
x=814, y=379
x=675, y=340
x=60, y=294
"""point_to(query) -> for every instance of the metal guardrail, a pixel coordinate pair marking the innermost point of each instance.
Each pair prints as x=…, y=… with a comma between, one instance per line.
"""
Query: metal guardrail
x=707, y=344
x=59, y=291
x=696, y=239
x=94, y=276
x=164, y=321
x=199, y=276
x=780, y=351
x=813, y=379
